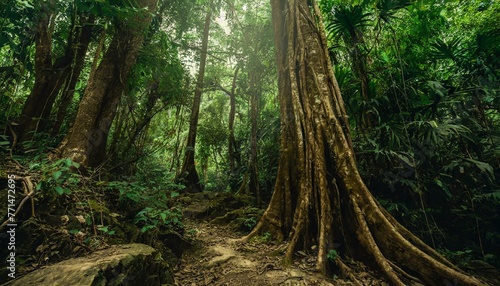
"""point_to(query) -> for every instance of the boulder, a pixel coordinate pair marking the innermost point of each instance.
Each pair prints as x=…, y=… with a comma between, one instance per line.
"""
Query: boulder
x=127, y=264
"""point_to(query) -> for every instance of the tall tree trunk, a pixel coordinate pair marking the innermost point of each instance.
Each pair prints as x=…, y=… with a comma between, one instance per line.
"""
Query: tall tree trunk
x=118, y=130
x=359, y=64
x=179, y=122
x=51, y=77
x=45, y=80
x=232, y=112
x=232, y=151
x=188, y=170
x=86, y=141
x=73, y=74
x=141, y=127
x=319, y=197
x=255, y=93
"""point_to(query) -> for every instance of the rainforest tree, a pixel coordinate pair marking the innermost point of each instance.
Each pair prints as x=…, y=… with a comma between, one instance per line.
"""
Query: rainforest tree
x=54, y=75
x=188, y=171
x=319, y=197
x=85, y=143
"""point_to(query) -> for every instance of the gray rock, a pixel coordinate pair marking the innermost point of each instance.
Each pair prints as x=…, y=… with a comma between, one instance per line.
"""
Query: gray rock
x=128, y=264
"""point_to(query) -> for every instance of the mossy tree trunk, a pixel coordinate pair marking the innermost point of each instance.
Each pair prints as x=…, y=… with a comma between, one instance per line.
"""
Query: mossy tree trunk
x=85, y=143
x=319, y=197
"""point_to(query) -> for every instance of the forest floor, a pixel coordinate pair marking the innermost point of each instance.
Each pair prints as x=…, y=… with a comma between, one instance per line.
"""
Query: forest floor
x=220, y=258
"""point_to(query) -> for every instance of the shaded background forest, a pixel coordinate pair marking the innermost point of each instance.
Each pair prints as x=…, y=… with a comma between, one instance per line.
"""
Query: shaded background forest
x=419, y=78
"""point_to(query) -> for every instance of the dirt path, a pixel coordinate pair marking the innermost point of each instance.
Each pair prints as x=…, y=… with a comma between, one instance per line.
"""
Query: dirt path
x=220, y=259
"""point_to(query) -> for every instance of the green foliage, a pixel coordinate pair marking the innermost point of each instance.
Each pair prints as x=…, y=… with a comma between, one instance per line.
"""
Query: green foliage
x=432, y=72
x=106, y=230
x=58, y=176
x=264, y=238
x=431, y=156
x=466, y=257
x=133, y=191
x=4, y=143
x=151, y=184
x=151, y=218
x=251, y=217
x=152, y=195
x=250, y=222
x=332, y=255
x=114, y=9
x=387, y=9
x=452, y=50
x=348, y=22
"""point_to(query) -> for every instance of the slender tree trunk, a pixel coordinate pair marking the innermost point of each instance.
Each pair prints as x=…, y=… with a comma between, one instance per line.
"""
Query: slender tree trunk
x=142, y=126
x=319, y=197
x=232, y=112
x=188, y=170
x=73, y=73
x=86, y=141
x=253, y=184
x=359, y=63
x=179, y=122
x=97, y=54
x=118, y=129
x=233, y=153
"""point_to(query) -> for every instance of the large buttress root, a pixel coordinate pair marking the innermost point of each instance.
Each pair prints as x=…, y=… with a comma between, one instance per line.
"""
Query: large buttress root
x=319, y=197
x=386, y=246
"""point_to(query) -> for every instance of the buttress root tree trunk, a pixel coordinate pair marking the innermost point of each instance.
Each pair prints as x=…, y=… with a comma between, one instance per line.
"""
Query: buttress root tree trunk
x=319, y=197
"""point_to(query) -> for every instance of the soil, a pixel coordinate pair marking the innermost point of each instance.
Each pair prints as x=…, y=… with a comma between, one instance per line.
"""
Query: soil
x=220, y=258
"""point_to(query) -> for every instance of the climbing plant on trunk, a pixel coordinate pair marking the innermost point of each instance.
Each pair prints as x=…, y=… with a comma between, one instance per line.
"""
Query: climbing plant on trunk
x=319, y=197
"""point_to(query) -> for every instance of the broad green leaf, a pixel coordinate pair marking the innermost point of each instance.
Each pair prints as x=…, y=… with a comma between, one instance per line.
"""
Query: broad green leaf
x=59, y=190
x=57, y=175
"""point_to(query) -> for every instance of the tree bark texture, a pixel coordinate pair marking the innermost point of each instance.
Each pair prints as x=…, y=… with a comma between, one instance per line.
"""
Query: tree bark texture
x=319, y=197
x=188, y=170
x=52, y=75
x=86, y=141
x=73, y=76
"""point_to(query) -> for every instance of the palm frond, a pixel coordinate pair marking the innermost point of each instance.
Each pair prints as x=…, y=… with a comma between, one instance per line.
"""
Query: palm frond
x=347, y=22
x=452, y=50
x=387, y=9
x=434, y=133
x=487, y=40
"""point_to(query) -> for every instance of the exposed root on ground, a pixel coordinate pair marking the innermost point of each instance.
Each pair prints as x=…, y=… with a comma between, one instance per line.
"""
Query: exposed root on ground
x=221, y=258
